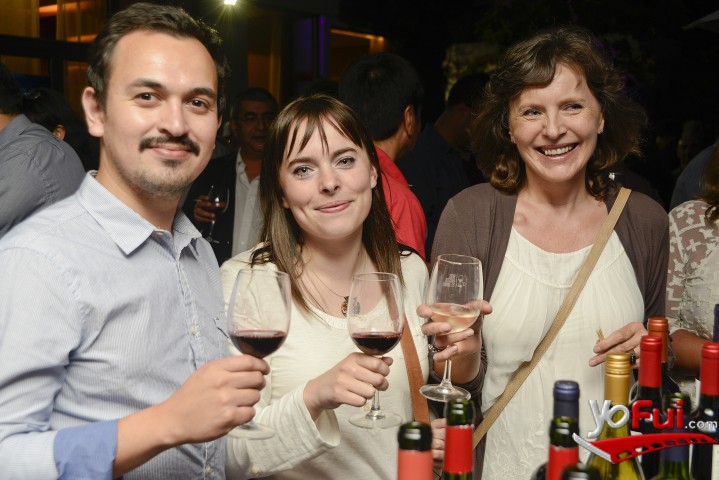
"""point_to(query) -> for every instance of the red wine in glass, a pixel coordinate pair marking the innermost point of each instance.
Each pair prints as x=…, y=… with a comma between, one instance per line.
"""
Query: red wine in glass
x=258, y=343
x=376, y=343
x=258, y=318
x=375, y=321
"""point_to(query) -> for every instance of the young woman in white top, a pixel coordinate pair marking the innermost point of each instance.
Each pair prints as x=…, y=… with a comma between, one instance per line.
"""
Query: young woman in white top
x=325, y=220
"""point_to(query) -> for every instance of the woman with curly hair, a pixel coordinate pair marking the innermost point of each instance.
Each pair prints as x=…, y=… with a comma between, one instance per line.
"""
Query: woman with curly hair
x=693, y=286
x=553, y=120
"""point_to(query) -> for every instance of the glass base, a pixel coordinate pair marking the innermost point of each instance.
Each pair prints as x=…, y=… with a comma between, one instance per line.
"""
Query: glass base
x=252, y=431
x=441, y=393
x=380, y=419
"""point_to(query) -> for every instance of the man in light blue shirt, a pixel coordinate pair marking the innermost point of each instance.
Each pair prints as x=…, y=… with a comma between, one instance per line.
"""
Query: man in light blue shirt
x=112, y=332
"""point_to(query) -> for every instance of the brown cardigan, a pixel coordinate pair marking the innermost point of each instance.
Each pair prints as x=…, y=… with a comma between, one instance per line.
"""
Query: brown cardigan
x=478, y=222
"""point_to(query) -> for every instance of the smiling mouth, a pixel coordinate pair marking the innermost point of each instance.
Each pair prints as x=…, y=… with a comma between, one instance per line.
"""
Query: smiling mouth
x=334, y=207
x=551, y=152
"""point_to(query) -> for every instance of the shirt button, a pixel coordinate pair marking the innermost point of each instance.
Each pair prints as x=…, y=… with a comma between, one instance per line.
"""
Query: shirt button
x=193, y=330
x=255, y=470
x=209, y=470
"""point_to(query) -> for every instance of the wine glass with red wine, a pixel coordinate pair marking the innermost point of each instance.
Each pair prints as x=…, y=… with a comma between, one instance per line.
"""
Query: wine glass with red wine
x=454, y=294
x=219, y=198
x=375, y=319
x=258, y=319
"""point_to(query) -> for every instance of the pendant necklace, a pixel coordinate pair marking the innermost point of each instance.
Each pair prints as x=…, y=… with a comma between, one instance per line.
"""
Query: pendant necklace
x=345, y=298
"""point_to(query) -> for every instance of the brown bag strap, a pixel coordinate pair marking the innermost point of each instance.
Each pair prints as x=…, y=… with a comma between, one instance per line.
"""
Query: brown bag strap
x=420, y=410
x=521, y=374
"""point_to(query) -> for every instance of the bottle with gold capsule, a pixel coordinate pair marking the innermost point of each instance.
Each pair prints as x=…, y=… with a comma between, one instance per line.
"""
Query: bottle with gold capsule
x=617, y=370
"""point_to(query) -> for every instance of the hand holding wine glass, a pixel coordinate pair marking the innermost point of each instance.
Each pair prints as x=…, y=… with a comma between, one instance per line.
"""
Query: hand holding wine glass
x=258, y=318
x=455, y=296
x=218, y=198
x=375, y=321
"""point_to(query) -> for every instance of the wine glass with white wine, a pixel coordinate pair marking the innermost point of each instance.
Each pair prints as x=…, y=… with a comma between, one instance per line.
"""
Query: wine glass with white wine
x=454, y=294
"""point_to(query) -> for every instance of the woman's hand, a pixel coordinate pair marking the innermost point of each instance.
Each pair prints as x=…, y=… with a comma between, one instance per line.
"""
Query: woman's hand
x=439, y=426
x=622, y=340
x=466, y=342
x=351, y=382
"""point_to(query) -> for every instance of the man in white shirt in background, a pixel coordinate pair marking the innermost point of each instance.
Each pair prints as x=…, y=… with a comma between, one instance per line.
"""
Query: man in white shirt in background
x=238, y=228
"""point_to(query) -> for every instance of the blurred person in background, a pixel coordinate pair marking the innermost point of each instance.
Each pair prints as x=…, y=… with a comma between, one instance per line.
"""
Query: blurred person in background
x=49, y=108
x=693, y=278
x=436, y=168
x=36, y=168
x=386, y=93
x=238, y=228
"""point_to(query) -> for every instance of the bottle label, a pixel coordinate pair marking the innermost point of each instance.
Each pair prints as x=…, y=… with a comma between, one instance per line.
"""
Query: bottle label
x=715, y=463
x=458, y=452
x=559, y=458
x=414, y=465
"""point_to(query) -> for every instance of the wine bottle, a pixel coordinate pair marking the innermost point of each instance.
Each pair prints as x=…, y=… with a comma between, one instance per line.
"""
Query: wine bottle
x=705, y=458
x=616, y=389
x=414, y=457
x=659, y=327
x=650, y=390
x=563, y=450
x=674, y=463
x=580, y=471
x=458, y=450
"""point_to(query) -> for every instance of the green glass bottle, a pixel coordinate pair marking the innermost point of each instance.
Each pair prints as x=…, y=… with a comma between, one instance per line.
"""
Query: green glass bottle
x=458, y=450
x=414, y=458
x=580, y=471
x=563, y=450
x=616, y=389
x=674, y=464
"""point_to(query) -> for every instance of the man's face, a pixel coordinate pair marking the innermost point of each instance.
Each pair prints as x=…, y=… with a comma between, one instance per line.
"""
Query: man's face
x=159, y=121
x=250, y=125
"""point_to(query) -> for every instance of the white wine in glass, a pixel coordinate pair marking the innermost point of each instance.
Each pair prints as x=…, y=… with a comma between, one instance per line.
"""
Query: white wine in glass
x=454, y=294
x=258, y=319
x=375, y=320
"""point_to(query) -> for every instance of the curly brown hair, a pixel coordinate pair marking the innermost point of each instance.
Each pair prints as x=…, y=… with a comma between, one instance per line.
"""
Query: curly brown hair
x=533, y=63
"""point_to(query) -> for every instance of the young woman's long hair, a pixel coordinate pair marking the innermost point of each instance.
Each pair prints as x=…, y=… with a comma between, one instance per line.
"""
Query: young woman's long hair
x=281, y=235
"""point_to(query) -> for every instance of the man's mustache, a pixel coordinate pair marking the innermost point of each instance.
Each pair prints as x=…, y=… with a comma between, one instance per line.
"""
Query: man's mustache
x=183, y=141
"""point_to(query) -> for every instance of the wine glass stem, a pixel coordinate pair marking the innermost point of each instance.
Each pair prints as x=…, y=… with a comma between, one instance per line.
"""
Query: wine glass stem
x=375, y=411
x=446, y=383
x=212, y=228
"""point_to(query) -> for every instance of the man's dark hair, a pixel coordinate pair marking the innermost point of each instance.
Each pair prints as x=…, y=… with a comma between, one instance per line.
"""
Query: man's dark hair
x=467, y=90
x=378, y=87
x=10, y=93
x=153, y=18
x=253, y=94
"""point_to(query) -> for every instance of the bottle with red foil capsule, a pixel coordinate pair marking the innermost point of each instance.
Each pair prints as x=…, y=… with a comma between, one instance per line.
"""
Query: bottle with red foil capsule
x=705, y=458
x=414, y=457
x=458, y=450
x=563, y=450
x=649, y=396
x=659, y=327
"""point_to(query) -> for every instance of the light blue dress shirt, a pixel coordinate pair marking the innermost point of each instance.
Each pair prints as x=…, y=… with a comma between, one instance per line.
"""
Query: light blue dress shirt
x=102, y=315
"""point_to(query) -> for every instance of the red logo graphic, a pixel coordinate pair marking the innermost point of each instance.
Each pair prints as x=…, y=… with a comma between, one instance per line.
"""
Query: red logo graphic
x=617, y=450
